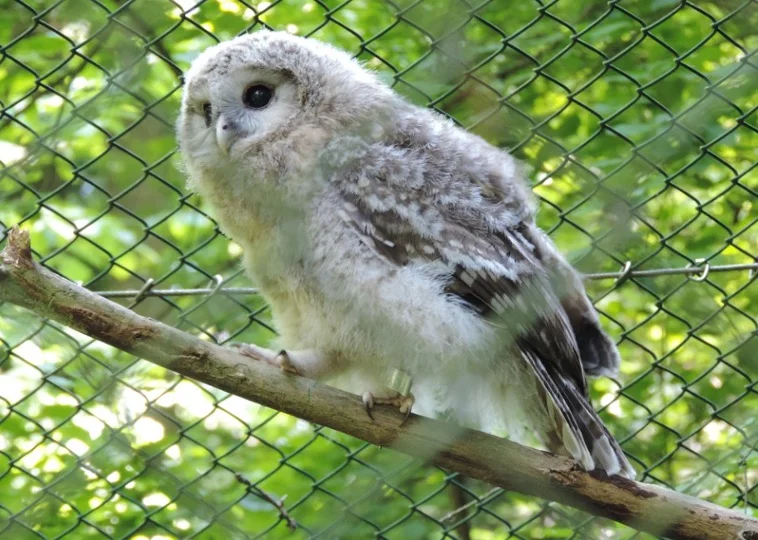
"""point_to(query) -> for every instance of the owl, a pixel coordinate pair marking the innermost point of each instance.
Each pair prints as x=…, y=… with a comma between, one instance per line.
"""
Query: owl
x=387, y=240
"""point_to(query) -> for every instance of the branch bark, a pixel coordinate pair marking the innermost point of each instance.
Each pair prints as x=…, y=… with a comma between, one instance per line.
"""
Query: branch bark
x=500, y=462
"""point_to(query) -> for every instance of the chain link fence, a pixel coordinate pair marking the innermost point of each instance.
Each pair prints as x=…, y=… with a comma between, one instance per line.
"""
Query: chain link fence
x=637, y=123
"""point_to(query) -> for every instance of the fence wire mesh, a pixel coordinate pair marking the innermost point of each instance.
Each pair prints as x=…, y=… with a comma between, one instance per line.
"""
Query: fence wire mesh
x=636, y=120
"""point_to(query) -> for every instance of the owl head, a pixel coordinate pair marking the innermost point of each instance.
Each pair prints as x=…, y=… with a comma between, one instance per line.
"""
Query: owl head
x=266, y=103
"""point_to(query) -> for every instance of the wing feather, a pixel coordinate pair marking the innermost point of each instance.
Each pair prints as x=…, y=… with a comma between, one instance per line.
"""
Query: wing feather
x=497, y=274
x=501, y=276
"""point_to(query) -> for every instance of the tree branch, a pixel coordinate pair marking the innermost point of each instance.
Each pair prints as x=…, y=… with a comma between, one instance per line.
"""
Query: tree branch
x=472, y=453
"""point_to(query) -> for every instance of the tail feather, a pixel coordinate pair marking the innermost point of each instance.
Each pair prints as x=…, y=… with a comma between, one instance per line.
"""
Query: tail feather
x=605, y=450
x=572, y=427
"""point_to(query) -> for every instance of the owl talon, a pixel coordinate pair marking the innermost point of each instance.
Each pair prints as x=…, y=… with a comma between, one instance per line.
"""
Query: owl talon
x=404, y=404
x=368, y=404
x=405, y=418
x=281, y=359
x=285, y=364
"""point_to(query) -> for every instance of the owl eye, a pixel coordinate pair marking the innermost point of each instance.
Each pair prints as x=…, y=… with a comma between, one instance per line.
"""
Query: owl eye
x=207, y=112
x=257, y=96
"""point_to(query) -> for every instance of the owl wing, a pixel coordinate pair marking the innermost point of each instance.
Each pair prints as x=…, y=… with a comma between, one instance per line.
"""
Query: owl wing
x=496, y=273
x=500, y=274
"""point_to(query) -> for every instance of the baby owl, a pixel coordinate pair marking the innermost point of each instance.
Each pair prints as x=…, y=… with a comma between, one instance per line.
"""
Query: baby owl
x=387, y=240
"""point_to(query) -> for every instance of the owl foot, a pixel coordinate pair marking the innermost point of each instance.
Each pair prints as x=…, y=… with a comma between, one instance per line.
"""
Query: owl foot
x=285, y=363
x=403, y=403
x=281, y=359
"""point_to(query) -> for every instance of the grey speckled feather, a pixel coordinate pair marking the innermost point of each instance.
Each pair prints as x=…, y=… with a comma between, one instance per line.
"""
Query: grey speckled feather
x=519, y=297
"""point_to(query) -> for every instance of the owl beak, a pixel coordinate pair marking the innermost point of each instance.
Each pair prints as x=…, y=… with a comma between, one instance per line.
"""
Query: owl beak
x=226, y=134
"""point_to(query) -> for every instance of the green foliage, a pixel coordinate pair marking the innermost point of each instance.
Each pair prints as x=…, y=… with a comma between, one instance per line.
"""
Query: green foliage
x=636, y=119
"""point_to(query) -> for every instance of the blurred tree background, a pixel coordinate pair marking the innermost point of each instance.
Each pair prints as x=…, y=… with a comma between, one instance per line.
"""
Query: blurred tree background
x=636, y=121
